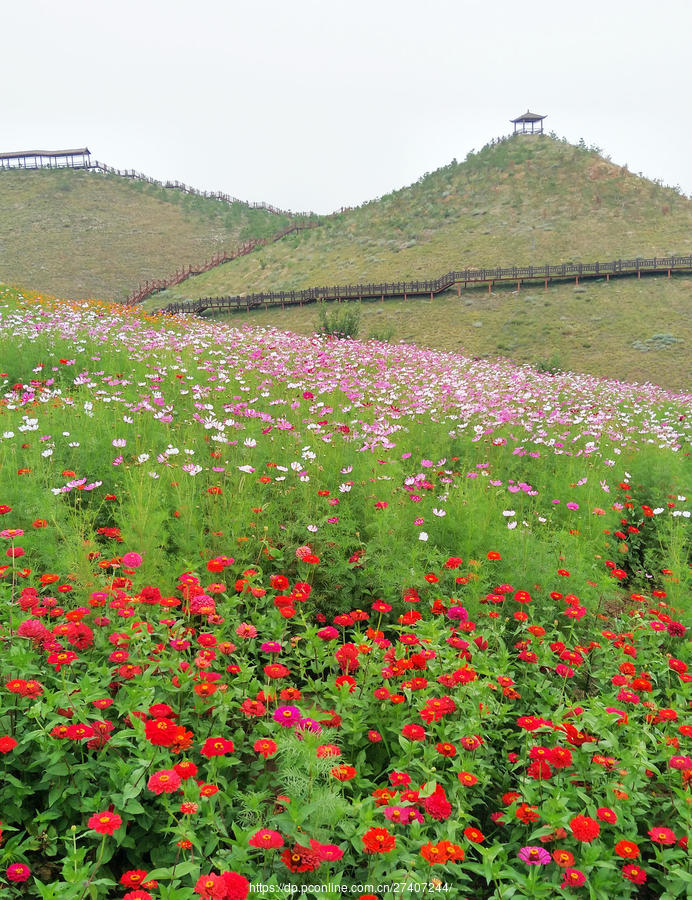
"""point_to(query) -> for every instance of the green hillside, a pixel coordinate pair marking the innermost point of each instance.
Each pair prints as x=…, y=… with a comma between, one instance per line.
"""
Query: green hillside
x=524, y=200
x=630, y=330
x=87, y=234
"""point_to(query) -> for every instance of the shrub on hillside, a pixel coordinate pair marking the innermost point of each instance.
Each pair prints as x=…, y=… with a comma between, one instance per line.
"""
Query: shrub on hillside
x=342, y=322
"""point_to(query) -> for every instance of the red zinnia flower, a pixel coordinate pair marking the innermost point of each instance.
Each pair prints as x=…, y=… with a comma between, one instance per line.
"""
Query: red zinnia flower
x=605, y=814
x=7, y=743
x=468, y=779
x=265, y=747
x=446, y=749
x=584, y=828
x=105, y=822
x=211, y=887
x=474, y=835
x=413, y=732
x=237, y=886
x=563, y=858
x=266, y=839
x=378, y=840
x=627, y=849
x=573, y=878
x=633, y=873
x=216, y=746
x=343, y=772
x=437, y=806
x=133, y=878
x=165, y=781
x=300, y=859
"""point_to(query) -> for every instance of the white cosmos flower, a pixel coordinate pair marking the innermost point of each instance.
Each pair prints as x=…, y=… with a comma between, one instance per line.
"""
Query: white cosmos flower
x=508, y=512
x=423, y=536
x=439, y=512
x=247, y=469
x=511, y=525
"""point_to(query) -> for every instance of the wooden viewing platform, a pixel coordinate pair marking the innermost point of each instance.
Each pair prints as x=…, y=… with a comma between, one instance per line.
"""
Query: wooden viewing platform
x=47, y=159
x=406, y=289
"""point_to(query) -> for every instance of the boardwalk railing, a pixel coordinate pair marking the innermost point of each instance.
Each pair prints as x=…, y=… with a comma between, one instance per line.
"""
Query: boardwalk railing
x=464, y=277
x=186, y=189
x=153, y=287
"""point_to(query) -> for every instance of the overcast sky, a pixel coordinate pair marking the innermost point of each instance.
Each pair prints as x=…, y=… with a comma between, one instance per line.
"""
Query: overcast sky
x=318, y=105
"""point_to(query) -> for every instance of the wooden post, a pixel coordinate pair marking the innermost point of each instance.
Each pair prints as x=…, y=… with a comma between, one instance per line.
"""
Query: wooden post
x=576, y=280
x=546, y=284
x=518, y=285
x=668, y=273
x=490, y=287
x=431, y=296
x=458, y=289
x=639, y=274
x=607, y=276
x=405, y=291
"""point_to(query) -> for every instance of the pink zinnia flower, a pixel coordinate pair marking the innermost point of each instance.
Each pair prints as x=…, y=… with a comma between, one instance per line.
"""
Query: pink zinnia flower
x=287, y=716
x=534, y=856
x=132, y=560
x=18, y=872
x=662, y=835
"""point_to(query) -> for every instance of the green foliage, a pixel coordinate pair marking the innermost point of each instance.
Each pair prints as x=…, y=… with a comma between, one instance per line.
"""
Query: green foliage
x=340, y=321
x=550, y=366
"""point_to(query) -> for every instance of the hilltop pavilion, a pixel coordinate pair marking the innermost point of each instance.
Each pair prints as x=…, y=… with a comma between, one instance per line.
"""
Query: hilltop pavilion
x=522, y=123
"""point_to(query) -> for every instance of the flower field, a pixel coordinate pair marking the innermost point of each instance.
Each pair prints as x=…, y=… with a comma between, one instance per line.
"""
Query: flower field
x=287, y=615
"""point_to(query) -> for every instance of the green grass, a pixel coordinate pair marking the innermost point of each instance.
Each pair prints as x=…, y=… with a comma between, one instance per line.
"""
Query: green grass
x=602, y=329
x=527, y=200
x=82, y=234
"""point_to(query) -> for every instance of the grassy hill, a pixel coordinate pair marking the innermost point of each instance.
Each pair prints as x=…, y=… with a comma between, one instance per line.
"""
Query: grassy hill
x=86, y=234
x=527, y=199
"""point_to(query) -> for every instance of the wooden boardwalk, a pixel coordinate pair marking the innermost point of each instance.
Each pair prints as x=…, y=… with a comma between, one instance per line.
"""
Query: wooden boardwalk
x=160, y=284
x=458, y=279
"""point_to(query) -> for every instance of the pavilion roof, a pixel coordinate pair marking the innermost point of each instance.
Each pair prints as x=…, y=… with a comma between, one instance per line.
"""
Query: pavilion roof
x=22, y=154
x=528, y=117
